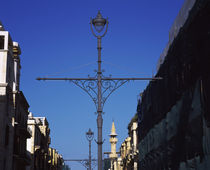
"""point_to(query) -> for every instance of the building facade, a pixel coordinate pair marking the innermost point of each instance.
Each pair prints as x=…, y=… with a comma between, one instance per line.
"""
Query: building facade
x=39, y=142
x=21, y=158
x=128, y=159
x=56, y=161
x=13, y=107
x=24, y=139
x=45, y=141
x=174, y=113
x=6, y=99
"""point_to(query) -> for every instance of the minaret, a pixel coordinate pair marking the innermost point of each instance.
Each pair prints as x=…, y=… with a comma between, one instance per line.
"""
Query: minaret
x=113, y=155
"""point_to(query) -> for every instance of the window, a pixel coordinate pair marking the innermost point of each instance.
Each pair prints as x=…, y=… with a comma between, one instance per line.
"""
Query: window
x=1, y=42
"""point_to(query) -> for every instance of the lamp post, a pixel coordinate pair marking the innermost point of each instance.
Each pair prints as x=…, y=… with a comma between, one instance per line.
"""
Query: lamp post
x=99, y=87
x=87, y=163
x=99, y=22
x=89, y=136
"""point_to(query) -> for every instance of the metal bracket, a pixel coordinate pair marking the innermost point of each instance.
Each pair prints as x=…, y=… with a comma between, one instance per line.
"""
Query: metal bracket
x=99, y=142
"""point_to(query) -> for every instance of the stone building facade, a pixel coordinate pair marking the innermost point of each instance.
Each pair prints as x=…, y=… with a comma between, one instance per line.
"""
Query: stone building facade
x=128, y=159
x=39, y=142
x=21, y=158
x=133, y=133
x=6, y=99
x=24, y=139
x=56, y=161
x=13, y=107
x=174, y=113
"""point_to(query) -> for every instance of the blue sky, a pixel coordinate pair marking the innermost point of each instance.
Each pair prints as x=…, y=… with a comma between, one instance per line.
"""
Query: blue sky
x=56, y=40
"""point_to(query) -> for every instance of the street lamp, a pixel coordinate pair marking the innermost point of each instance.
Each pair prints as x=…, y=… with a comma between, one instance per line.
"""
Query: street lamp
x=99, y=22
x=99, y=87
x=89, y=136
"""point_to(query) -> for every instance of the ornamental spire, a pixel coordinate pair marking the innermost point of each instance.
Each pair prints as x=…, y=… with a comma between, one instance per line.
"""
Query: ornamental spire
x=113, y=131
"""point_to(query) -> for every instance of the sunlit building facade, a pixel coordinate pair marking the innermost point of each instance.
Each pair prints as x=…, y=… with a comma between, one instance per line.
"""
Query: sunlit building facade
x=39, y=142
x=13, y=107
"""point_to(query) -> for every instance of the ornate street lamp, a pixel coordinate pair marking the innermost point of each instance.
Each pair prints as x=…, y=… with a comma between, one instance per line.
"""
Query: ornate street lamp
x=99, y=23
x=89, y=136
x=99, y=87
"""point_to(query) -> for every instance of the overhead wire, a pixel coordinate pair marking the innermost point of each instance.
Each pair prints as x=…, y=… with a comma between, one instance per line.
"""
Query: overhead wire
x=132, y=71
x=128, y=70
x=69, y=69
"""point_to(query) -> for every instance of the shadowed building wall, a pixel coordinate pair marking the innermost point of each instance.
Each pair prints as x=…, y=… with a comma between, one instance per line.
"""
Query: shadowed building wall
x=174, y=113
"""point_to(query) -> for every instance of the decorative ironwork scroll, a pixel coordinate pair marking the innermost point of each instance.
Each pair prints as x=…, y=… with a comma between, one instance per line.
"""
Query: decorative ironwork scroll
x=108, y=86
x=89, y=86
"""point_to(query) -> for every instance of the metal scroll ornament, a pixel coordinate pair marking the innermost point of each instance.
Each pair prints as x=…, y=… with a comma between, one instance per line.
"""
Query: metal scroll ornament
x=107, y=87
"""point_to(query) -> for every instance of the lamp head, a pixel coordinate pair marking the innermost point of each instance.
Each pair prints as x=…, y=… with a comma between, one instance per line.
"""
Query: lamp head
x=99, y=22
x=89, y=135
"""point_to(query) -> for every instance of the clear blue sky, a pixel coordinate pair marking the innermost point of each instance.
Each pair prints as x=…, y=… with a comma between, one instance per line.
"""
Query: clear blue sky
x=56, y=40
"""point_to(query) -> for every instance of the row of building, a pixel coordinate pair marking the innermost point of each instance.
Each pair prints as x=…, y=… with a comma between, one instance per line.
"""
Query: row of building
x=172, y=127
x=127, y=156
x=24, y=139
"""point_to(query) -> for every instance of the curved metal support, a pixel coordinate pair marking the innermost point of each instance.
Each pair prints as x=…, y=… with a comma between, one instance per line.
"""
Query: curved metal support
x=107, y=23
x=107, y=88
x=90, y=87
x=91, y=26
x=93, y=164
x=85, y=163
